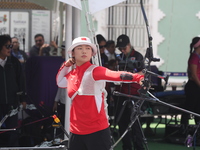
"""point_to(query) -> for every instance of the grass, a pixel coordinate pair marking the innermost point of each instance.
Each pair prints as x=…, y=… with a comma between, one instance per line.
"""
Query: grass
x=160, y=141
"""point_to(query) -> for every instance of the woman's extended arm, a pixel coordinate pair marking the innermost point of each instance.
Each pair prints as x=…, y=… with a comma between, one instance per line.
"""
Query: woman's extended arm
x=102, y=73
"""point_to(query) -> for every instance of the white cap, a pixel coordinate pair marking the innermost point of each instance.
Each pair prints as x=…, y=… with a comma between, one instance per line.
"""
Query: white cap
x=82, y=41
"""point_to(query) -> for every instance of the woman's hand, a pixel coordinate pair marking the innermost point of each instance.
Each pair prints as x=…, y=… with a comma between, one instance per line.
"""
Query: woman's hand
x=70, y=62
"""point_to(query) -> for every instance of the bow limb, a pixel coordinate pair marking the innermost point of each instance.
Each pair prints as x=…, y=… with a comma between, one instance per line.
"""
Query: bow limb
x=149, y=53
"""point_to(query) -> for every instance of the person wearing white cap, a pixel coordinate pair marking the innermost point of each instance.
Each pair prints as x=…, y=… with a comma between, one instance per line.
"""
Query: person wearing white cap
x=85, y=84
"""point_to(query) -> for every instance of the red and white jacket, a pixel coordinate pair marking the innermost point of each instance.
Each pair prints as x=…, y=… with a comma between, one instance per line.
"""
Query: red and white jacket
x=86, y=88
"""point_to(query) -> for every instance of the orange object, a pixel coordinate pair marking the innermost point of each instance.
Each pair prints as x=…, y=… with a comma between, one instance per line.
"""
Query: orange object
x=56, y=119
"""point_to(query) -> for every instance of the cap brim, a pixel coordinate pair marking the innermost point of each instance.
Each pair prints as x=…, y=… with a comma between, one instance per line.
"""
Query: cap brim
x=121, y=45
x=83, y=43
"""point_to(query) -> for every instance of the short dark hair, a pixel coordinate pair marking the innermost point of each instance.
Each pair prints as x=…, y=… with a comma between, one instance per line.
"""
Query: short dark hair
x=3, y=40
x=109, y=43
x=37, y=35
x=100, y=38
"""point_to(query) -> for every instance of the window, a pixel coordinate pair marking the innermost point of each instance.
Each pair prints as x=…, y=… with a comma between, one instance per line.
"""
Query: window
x=127, y=18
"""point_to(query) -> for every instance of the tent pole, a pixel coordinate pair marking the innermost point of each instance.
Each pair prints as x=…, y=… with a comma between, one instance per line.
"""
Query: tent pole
x=68, y=41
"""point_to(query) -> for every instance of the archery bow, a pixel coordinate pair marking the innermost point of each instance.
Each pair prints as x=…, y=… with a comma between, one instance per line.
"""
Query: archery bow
x=149, y=53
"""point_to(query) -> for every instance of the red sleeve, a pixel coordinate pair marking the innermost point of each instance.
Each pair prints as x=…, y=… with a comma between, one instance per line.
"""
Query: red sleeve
x=102, y=73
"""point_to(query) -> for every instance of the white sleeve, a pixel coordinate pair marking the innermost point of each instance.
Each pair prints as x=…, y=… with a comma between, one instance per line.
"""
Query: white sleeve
x=60, y=78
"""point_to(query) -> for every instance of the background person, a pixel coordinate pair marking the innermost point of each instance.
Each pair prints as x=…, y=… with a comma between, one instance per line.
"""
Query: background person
x=110, y=50
x=11, y=83
x=19, y=54
x=40, y=48
x=102, y=45
x=129, y=59
x=85, y=84
x=192, y=87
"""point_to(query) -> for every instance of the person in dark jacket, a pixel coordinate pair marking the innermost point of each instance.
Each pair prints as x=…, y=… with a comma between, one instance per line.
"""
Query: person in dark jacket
x=40, y=48
x=131, y=61
x=11, y=89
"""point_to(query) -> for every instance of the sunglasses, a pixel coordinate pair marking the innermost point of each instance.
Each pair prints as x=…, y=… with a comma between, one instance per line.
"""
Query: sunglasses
x=38, y=41
x=9, y=46
x=100, y=47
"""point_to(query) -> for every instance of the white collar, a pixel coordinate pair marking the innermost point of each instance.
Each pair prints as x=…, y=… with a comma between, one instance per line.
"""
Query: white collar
x=3, y=62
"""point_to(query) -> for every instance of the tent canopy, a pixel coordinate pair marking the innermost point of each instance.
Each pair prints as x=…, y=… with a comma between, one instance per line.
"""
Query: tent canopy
x=94, y=5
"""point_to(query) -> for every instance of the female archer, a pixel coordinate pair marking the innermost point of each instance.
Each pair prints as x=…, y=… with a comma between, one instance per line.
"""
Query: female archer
x=85, y=85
